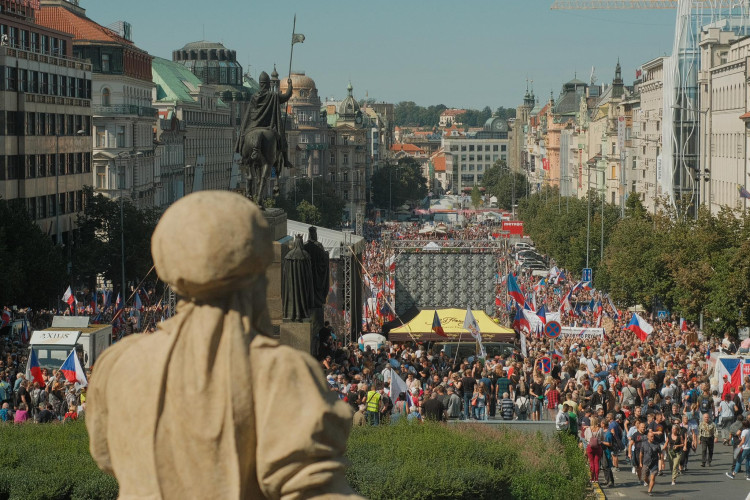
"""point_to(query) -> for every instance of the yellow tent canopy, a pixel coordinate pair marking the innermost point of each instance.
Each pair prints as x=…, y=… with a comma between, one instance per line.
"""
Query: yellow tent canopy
x=452, y=321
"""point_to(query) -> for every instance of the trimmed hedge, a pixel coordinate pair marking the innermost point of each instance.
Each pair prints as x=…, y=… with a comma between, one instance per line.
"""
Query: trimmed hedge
x=50, y=462
x=432, y=461
x=428, y=461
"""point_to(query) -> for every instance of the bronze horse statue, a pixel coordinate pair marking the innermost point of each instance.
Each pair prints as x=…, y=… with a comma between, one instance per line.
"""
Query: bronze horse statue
x=260, y=153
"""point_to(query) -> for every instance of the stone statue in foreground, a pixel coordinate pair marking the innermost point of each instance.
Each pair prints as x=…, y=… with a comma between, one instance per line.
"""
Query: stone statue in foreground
x=198, y=410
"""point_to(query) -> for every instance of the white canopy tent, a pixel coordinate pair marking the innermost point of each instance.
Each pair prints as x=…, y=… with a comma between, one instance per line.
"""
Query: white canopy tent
x=330, y=239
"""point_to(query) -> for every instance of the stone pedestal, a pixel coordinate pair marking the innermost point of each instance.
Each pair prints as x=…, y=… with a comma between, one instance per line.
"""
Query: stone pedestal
x=276, y=219
x=299, y=335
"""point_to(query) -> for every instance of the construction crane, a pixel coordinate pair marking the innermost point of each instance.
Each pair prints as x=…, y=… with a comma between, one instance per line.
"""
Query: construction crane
x=622, y=4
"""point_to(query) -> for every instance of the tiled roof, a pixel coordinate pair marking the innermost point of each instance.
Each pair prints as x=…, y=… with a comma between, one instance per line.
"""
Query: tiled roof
x=81, y=27
x=407, y=148
x=438, y=163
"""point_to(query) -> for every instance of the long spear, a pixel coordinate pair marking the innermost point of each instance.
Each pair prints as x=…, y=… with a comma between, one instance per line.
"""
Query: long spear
x=296, y=38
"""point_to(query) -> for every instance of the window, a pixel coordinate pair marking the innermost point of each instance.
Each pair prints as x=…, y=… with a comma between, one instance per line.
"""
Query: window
x=333, y=158
x=100, y=138
x=121, y=136
x=345, y=176
x=42, y=165
x=105, y=65
x=105, y=97
x=346, y=159
x=494, y=147
x=502, y=148
x=471, y=147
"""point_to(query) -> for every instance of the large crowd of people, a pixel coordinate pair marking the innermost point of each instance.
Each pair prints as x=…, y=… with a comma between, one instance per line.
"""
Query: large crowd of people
x=648, y=405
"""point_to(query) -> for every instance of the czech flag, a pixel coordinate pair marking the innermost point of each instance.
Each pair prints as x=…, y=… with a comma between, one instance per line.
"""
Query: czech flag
x=68, y=297
x=118, y=302
x=683, y=325
x=542, y=314
x=514, y=290
x=437, y=327
x=639, y=326
x=25, y=336
x=72, y=370
x=35, y=371
x=138, y=303
x=5, y=318
x=732, y=369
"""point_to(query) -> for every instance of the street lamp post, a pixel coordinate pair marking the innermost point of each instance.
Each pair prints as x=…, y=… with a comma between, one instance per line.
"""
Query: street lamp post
x=129, y=156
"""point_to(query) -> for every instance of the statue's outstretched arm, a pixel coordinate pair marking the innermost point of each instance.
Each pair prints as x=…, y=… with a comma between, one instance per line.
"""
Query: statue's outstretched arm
x=286, y=95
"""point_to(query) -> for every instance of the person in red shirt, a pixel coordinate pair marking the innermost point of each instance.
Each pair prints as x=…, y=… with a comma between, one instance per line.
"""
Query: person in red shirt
x=553, y=400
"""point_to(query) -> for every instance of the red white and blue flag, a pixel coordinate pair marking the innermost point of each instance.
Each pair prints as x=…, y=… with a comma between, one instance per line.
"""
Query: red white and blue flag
x=437, y=327
x=640, y=327
x=683, y=325
x=34, y=371
x=25, y=335
x=5, y=318
x=69, y=298
x=733, y=369
x=72, y=370
x=542, y=314
x=138, y=303
x=514, y=290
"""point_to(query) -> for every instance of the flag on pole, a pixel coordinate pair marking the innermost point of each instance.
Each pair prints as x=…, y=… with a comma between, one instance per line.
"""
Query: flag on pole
x=298, y=38
x=744, y=193
x=33, y=370
x=95, y=303
x=471, y=324
x=5, y=318
x=437, y=327
x=514, y=290
x=118, y=302
x=683, y=325
x=639, y=326
x=397, y=385
x=542, y=314
x=25, y=336
x=524, y=349
x=138, y=303
x=72, y=370
x=68, y=297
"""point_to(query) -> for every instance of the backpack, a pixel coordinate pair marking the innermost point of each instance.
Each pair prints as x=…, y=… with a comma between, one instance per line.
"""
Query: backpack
x=594, y=442
x=523, y=408
x=705, y=406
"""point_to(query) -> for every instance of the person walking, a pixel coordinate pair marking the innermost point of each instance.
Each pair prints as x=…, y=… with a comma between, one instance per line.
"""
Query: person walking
x=650, y=453
x=708, y=436
x=676, y=446
x=507, y=408
x=744, y=454
x=561, y=421
x=594, y=435
x=726, y=417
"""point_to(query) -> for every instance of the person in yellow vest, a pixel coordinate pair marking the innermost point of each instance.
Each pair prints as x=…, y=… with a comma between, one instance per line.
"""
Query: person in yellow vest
x=373, y=403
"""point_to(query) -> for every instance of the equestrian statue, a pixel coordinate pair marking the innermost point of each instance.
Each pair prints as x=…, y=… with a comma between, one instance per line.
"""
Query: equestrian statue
x=262, y=142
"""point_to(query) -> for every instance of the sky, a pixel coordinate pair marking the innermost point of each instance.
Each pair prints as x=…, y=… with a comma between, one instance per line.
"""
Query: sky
x=469, y=53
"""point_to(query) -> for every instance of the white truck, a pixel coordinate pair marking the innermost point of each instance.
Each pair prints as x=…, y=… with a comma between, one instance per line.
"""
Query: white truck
x=54, y=344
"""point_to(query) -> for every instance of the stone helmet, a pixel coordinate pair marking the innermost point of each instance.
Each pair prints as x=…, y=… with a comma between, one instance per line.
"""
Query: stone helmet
x=264, y=80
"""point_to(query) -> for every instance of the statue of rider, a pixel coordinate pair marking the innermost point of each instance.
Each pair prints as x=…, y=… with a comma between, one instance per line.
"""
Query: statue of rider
x=264, y=111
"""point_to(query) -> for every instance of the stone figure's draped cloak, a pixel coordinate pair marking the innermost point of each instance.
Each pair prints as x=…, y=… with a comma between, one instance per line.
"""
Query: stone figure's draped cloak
x=296, y=283
x=320, y=272
x=193, y=411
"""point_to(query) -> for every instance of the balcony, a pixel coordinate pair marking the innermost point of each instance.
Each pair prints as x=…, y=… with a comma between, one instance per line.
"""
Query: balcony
x=124, y=109
x=65, y=62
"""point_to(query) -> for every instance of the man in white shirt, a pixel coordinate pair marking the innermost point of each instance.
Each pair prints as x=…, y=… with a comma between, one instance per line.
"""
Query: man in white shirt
x=561, y=421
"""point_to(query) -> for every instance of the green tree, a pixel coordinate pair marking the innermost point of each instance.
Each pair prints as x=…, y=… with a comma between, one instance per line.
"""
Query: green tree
x=329, y=206
x=33, y=266
x=501, y=183
x=394, y=185
x=308, y=213
x=99, y=244
x=476, y=197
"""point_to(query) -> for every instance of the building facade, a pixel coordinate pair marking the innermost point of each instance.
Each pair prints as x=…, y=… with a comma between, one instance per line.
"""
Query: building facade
x=124, y=155
x=468, y=157
x=45, y=120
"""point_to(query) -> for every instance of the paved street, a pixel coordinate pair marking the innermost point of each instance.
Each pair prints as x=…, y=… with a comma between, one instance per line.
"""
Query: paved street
x=696, y=483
